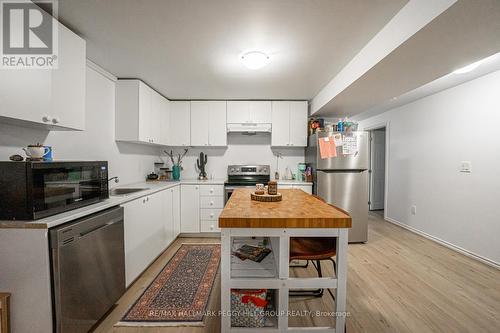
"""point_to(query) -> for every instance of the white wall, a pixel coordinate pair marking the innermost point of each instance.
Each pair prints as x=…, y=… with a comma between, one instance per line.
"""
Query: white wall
x=132, y=162
x=241, y=149
x=427, y=141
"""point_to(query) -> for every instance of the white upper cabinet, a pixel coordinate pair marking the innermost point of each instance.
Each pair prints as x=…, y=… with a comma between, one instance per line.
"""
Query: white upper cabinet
x=298, y=123
x=179, y=123
x=48, y=98
x=248, y=112
x=208, y=123
x=68, y=82
x=289, y=123
x=141, y=113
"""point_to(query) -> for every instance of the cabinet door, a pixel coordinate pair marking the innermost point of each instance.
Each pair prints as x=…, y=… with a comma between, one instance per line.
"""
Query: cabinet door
x=260, y=112
x=167, y=216
x=68, y=81
x=136, y=233
x=176, y=211
x=145, y=113
x=217, y=130
x=165, y=122
x=280, y=134
x=305, y=188
x=200, y=115
x=157, y=109
x=158, y=236
x=238, y=112
x=180, y=120
x=298, y=123
x=25, y=94
x=190, y=208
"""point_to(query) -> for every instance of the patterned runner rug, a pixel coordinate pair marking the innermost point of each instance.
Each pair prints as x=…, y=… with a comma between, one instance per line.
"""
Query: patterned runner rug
x=178, y=296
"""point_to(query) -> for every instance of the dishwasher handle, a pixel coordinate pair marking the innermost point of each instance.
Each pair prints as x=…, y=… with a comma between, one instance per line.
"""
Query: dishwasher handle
x=91, y=230
x=68, y=232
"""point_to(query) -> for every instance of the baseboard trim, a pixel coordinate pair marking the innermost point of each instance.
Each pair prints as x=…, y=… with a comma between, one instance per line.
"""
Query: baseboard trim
x=449, y=245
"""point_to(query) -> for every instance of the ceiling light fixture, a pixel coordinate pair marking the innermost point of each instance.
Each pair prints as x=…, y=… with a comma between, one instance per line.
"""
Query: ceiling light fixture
x=468, y=68
x=255, y=59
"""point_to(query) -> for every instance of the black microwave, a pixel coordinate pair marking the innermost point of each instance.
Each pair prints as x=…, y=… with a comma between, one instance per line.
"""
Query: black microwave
x=33, y=190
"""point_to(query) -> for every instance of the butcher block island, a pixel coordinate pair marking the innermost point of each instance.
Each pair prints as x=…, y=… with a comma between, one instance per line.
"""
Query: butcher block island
x=246, y=223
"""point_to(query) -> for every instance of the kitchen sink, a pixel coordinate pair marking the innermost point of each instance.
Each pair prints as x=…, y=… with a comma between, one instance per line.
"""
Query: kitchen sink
x=125, y=191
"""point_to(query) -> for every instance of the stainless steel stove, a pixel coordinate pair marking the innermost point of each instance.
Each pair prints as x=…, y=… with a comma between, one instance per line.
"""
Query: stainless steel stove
x=241, y=176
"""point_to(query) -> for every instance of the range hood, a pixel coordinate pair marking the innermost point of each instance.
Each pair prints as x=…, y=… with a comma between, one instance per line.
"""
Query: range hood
x=249, y=128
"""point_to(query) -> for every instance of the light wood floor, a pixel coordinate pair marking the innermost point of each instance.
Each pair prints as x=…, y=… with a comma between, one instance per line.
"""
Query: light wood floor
x=397, y=282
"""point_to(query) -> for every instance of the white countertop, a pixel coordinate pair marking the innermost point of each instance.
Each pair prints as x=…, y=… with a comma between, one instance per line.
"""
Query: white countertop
x=293, y=182
x=150, y=188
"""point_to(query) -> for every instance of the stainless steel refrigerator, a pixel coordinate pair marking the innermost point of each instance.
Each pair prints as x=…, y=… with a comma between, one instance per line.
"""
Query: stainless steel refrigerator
x=343, y=180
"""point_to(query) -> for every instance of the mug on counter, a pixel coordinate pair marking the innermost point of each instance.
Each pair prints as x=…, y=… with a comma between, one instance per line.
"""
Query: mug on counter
x=259, y=189
x=36, y=152
x=48, y=153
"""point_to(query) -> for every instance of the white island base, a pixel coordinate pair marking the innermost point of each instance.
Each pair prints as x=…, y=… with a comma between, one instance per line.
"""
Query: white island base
x=273, y=274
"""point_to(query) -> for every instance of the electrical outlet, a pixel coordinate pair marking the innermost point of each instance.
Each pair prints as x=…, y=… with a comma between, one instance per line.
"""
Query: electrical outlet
x=413, y=210
x=465, y=167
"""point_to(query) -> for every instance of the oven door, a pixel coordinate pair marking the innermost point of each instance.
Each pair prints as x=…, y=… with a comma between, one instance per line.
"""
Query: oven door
x=229, y=189
x=59, y=187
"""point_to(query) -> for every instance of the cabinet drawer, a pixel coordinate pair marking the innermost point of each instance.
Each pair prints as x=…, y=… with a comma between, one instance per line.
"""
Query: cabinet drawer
x=216, y=190
x=209, y=226
x=212, y=202
x=210, y=214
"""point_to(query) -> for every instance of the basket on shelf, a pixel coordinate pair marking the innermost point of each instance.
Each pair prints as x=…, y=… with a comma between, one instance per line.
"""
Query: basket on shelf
x=247, y=307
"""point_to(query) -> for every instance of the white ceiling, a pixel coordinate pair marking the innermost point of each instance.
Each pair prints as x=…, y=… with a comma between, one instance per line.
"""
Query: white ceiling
x=189, y=49
x=466, y=32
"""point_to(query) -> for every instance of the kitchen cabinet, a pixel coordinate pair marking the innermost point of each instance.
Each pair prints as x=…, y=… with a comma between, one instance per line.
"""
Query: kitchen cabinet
x=140, y=113
x=211, y=205
x=148, y=230
x=201, y=206
x=190, y=208
x=305, y=188
x=208, y=123
x=249, y=112
x=176, y=210
x=289, y=124
x=49, y=98
x=179, y=134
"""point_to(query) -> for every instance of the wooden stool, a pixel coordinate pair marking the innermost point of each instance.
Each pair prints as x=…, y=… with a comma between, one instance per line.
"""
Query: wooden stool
x=314, y=249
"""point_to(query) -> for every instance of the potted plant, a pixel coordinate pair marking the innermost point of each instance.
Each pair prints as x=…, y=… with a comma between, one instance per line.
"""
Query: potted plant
x=176, y=163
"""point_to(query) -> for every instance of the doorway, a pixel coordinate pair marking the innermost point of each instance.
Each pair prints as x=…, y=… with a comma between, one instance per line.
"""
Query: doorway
x=377, y=169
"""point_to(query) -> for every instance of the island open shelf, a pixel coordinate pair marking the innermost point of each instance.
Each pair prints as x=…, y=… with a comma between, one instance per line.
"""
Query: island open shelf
x=242, y=219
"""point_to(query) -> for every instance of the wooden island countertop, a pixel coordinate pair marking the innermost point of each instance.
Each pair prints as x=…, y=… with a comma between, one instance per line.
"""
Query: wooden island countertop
x=297, y=210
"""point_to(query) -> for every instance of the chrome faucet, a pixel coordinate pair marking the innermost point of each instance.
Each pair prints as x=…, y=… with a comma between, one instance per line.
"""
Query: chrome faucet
x=116, y=179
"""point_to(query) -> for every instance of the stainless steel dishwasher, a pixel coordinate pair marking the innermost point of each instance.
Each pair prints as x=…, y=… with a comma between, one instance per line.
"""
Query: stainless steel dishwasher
x=88, y=269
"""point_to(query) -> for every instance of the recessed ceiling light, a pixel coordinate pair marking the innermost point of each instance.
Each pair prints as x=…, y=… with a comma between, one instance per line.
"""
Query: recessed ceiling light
x=255, y=59
x=468, y=68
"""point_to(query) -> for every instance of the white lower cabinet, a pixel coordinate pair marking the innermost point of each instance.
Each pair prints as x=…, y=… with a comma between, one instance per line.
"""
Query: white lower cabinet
x=176, y=210
x=201, y=206
x=190, y=208
x=305, y=188
x=150, y=226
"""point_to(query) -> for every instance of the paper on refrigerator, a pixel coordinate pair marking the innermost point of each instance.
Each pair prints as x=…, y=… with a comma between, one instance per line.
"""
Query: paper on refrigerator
x=350, y=145
x=327, y=147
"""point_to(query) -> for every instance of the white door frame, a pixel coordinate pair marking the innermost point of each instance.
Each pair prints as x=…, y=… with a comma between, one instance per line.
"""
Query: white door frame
x=372, y=127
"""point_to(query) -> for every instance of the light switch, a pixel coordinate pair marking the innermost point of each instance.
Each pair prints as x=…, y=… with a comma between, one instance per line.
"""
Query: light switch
x=465, y=166
x=413, y=210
